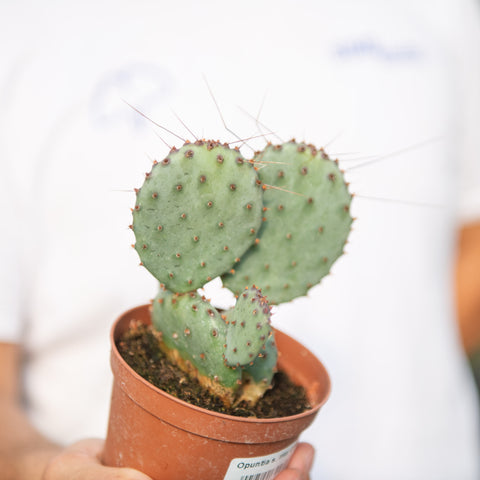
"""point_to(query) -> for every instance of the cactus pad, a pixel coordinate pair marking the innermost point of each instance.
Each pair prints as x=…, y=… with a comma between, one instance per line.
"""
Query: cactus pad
x=248, y=328
x=193, y=336
x=307, y=223
x=196, y=214
x=250, y=341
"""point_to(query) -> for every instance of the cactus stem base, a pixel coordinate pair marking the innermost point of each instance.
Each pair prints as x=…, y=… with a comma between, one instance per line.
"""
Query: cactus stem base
x=225, y=394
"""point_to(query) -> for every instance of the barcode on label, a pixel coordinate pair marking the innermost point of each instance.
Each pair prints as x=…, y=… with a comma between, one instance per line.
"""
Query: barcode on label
x=259, y=468
x=265, y=475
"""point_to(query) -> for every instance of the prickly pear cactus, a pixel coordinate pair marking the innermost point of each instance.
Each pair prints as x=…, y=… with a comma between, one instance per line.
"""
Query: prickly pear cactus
x=307, y=223
x=197, y=212
x=279, y=221
x=233, y=355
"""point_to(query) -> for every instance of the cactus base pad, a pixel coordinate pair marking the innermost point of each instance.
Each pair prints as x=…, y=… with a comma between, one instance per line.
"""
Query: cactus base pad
x=140, y=343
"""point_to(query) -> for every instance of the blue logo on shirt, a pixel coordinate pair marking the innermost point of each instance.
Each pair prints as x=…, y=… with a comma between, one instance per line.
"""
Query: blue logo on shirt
x=373, y=49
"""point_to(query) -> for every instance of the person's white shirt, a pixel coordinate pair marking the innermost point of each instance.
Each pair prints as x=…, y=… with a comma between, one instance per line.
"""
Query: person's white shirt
x=366, y=78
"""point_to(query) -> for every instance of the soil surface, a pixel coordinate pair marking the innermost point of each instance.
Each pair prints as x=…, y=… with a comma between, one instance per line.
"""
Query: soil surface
x=139, y=347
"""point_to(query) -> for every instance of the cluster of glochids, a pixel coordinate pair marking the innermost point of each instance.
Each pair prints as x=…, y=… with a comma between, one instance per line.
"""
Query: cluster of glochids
x=277, y=221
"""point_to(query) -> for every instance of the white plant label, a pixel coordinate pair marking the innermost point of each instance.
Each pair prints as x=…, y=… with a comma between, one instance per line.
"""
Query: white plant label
x=259, y=468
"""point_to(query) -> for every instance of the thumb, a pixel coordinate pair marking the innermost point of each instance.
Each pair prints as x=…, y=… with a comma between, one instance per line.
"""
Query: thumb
x=82, y=461
x=300, y=463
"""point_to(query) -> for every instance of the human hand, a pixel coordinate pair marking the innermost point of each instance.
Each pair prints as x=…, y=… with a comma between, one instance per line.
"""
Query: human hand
x=300, y=464
x=81, y=461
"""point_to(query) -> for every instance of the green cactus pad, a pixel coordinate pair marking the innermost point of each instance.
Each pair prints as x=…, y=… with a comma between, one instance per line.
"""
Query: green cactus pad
x=248, y=328
x=265, y=365
x=196, y=214
x=194, y=329
x=307, y=223
x=250, y=319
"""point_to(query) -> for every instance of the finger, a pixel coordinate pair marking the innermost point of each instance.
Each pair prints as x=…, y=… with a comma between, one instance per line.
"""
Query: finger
x=292, y=474
x=82, y=461
x=62, y=468
x=90, y=447
x=302, y=458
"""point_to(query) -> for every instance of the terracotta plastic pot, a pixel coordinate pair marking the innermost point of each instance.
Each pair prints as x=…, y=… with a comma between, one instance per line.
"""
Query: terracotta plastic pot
x=169, y=439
